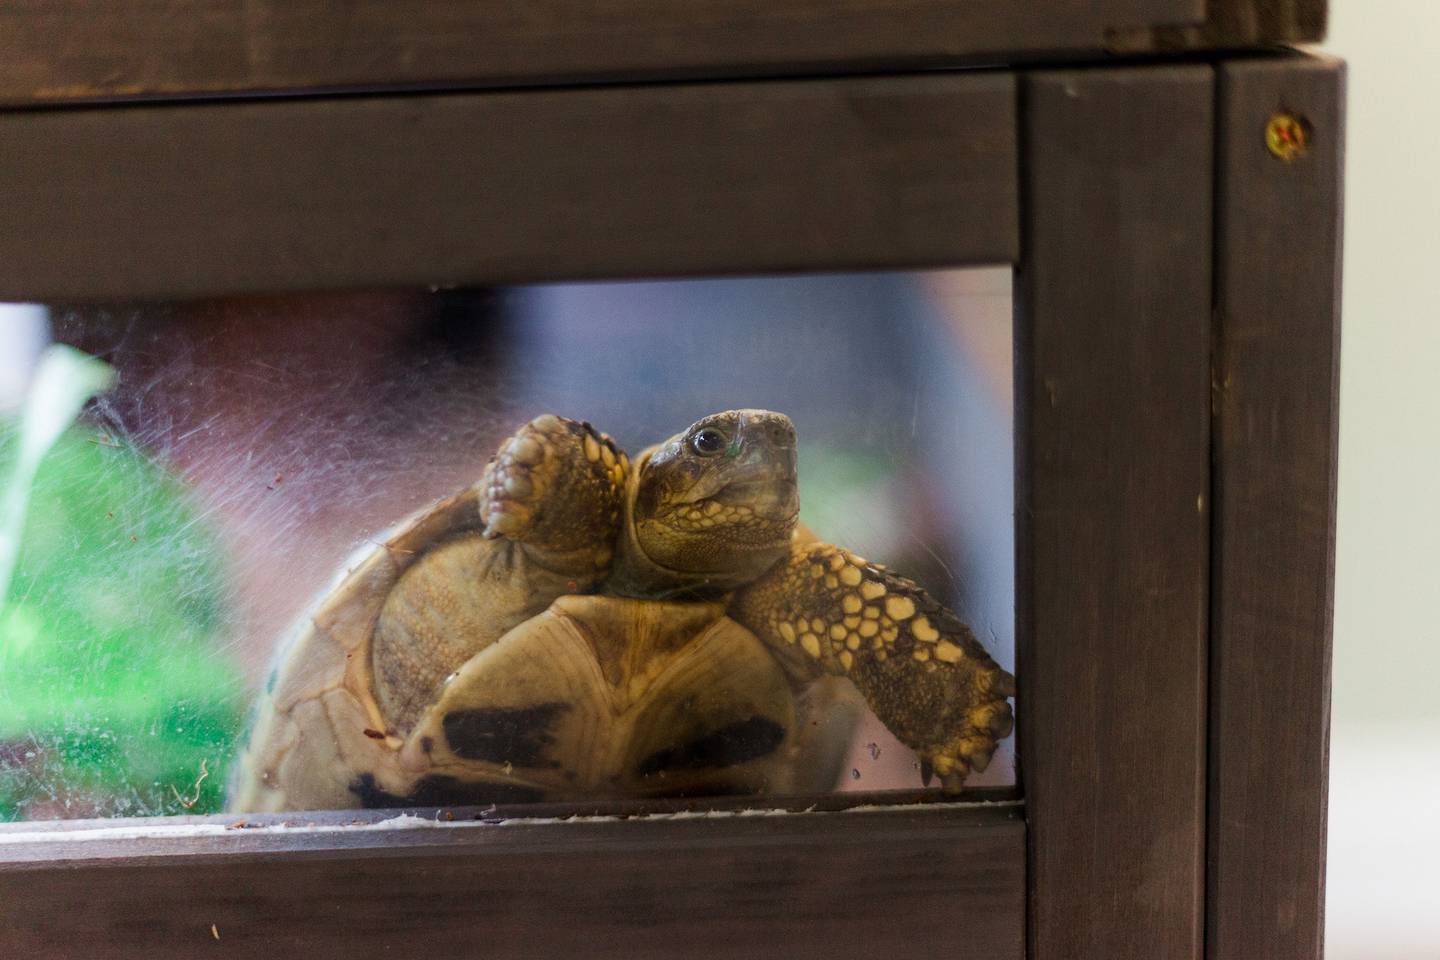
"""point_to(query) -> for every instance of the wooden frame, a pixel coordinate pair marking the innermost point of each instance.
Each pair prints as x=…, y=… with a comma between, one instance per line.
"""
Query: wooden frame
x=1136, y=202
x=508, y=187
x=68, y=50
x=658, y=886
x=1112, y=473
x=1277, y=351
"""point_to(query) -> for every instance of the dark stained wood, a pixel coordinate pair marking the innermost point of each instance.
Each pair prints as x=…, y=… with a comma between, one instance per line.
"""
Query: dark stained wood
x=1232, y=25
x=996, y=796
x=58, y=50
x=1113, y=443
x=1237, y=22
x=182, y=200
x=1276, y=414
x=836, y=885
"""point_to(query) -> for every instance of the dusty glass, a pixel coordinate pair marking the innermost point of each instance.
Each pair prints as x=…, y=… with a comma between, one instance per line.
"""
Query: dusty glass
x=246, y=450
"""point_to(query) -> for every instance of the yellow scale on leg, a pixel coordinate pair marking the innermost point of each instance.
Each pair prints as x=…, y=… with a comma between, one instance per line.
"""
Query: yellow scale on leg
x=922, y=670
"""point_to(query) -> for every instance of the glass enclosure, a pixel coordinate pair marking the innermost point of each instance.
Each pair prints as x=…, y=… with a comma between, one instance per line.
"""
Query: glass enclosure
x=242, y=451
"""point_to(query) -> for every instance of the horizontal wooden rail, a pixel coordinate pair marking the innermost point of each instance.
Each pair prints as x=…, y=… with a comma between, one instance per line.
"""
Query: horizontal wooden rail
x=867, y=882
x=279, y=195
x=71, y=50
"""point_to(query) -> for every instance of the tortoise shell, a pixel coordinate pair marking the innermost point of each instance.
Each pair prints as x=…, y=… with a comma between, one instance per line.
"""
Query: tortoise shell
x=596, y=697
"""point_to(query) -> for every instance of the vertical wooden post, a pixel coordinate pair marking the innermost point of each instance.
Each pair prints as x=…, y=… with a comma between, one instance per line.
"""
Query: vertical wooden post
x=1113, y=450
x=1276, y=358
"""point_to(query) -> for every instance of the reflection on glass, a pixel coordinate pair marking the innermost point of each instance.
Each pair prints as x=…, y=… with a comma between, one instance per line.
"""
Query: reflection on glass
x=249, y=446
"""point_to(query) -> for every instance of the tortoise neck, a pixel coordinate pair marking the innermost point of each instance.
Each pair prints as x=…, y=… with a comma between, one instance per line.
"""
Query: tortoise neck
x=636, y=574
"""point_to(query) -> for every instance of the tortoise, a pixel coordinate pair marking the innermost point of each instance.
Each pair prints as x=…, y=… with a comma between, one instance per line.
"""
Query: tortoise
x=577, y=627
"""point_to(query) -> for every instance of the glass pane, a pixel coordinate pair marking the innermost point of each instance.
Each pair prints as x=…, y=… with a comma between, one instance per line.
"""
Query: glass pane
x=171, y=540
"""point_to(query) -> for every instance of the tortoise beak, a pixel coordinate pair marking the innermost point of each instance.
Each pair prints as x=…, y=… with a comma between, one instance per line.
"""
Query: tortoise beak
x=764, y=446
x=774, y=498
x=763, y=465
x=765, y=474
x=762, y=474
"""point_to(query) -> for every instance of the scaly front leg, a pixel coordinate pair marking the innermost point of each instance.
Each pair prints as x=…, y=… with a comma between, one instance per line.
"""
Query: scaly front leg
x=550, y=503
x=825, y=610
x=556, y=486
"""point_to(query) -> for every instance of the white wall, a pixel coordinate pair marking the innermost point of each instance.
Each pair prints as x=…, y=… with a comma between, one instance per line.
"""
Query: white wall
x=1384, y=877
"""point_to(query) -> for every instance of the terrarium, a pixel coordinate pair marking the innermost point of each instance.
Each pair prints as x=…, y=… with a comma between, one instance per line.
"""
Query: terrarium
x=740, y=375
x=179, y=554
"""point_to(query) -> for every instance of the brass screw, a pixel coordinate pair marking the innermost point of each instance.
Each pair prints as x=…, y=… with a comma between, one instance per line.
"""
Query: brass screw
x=1287, y=136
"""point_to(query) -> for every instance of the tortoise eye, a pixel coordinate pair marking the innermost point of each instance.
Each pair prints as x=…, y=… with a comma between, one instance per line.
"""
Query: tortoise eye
x=708, y=442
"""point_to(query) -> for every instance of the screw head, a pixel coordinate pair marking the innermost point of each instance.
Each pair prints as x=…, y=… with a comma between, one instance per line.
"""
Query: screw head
x=1287, y=137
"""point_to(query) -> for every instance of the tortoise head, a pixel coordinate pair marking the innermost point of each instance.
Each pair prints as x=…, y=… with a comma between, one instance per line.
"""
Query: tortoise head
x=714, y=506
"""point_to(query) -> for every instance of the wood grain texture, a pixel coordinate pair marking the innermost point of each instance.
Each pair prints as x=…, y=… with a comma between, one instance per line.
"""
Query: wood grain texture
x=1268, y=21
x=840, y=885
x=59, y=50
x=1276, y=414
x=162, y=201
x=1233, y=25
x=1113, y=444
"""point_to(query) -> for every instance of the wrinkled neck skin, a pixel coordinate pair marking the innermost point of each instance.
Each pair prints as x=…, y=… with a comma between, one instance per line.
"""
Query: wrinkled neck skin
x=635, y=574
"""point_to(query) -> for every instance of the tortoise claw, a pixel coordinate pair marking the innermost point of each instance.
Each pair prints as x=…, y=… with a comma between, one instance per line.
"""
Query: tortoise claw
x=953, y=770
x=953, y=782
x=556, y=484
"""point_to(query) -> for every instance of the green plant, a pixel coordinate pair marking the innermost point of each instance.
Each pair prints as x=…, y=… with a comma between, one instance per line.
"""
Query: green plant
x=114, y=688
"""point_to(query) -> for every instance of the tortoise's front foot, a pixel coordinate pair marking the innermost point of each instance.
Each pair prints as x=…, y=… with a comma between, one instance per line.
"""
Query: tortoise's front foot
x=921, y=670
x=953, y=759
x=556, y=486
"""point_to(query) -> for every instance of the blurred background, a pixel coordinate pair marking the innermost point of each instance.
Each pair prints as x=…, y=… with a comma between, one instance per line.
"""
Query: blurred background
x=1384, y=888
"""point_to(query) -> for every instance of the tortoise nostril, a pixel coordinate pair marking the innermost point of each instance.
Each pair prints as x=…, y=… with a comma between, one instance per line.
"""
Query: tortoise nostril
x=764, y=427
x=782, y=435
x=778, y=431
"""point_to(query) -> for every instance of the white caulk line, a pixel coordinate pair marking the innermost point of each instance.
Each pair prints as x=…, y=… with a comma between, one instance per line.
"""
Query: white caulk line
x=408, y=821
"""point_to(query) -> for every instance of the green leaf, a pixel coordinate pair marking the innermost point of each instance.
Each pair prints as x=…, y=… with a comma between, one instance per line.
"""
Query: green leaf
x=64, y=380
